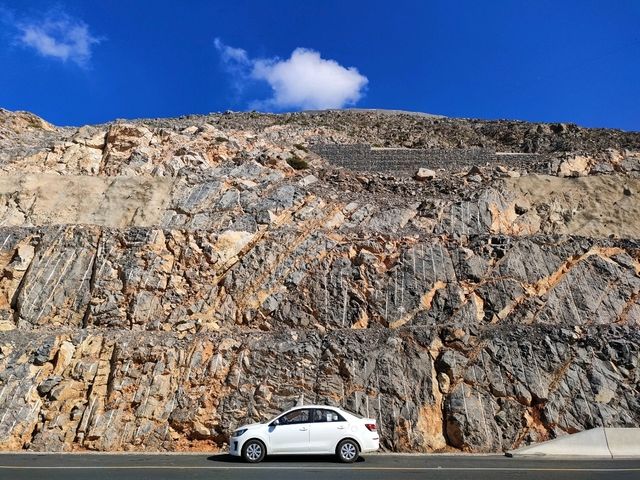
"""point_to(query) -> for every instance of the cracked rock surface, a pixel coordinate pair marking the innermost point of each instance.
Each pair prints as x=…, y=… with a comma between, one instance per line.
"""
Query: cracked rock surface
x=166, y=280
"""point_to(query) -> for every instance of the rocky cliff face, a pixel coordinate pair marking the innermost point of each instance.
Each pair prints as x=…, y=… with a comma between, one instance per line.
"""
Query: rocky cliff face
x=166, y=280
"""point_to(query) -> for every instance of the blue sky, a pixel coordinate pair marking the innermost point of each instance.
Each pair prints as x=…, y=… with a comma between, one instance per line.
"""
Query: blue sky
x=76, y=62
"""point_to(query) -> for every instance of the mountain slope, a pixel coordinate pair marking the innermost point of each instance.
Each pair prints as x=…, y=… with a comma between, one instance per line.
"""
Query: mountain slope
x=165, y=280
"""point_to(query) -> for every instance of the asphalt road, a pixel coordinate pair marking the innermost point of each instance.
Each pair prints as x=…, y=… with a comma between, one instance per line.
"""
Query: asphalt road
x=371, y=467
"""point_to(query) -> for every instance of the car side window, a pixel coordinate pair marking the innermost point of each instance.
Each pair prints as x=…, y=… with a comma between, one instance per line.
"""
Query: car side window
x=323, y=416
x=297, y=416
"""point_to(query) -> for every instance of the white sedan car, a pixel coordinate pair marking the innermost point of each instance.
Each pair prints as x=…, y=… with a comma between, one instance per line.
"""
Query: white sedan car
x=309, y=429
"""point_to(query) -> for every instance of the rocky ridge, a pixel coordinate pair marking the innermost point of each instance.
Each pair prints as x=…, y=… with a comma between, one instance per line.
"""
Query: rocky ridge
x=166, y=280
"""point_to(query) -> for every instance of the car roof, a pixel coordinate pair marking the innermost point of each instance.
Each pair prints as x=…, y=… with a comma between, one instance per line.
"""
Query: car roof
x=313, y=406
x=331, y=407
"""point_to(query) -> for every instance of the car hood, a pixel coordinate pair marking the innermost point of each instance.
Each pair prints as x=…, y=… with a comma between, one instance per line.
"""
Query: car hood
x=251, y=426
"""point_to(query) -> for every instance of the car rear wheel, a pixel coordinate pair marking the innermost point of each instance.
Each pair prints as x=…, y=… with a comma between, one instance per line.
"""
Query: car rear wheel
x=253, y=451
x=347, y=451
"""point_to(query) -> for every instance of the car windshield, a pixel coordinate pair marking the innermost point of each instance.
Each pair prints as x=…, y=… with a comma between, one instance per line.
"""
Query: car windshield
x=274, y=418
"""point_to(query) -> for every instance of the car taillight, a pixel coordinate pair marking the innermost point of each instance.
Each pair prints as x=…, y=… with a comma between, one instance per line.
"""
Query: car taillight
x=370, y=426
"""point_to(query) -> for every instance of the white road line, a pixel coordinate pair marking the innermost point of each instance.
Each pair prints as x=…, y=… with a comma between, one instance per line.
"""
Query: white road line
x=409, y=469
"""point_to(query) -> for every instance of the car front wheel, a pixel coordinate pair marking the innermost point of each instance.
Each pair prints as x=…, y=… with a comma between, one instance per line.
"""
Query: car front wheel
x=253, y=451
x=347, y=451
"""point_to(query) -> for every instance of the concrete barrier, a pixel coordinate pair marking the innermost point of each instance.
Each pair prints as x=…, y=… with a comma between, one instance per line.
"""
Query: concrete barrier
x=623, y=442
x=597, y=442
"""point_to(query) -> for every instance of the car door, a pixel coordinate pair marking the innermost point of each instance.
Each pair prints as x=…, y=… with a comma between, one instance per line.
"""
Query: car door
x=327, y=429
x=290, y=433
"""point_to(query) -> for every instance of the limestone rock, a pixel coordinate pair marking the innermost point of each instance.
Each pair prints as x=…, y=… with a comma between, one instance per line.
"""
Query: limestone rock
x=574, y=167
x=425, y=174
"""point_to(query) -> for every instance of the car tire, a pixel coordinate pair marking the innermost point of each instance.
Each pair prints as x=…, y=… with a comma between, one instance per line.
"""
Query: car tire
x=347, y=451
x=253, y=451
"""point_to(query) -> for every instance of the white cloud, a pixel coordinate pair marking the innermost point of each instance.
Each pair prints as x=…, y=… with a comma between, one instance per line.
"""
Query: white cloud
x=236, y=62
x=60, y=37
x=308, y=81
x=231, y=55
x=304, y=81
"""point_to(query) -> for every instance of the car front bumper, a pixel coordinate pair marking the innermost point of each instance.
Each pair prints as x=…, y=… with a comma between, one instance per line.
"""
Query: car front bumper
x=235, y=446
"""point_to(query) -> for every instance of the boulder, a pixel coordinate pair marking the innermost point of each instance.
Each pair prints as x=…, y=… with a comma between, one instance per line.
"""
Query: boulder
x=424, y=174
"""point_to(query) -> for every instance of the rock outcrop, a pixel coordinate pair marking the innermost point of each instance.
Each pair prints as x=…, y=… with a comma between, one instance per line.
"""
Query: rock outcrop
x=166, y=280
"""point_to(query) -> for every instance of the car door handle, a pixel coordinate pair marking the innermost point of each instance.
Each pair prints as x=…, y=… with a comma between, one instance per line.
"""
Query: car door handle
x=303, y=429
x=340, y=428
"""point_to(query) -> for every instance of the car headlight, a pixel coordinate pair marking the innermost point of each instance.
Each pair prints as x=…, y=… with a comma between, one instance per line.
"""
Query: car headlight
x=239, y=433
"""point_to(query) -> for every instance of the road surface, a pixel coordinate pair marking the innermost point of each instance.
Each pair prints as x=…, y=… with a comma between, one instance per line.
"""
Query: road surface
x=371, y=467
